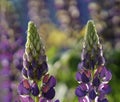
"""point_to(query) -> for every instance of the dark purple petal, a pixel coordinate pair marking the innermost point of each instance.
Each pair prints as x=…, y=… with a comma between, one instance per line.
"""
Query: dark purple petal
x=24, y=88
x=86, y=64
x=92, y=64
x=57, y=101
x=45, y=88
x=52, y=81
x=84, y=78
x=34, y=64
x=106, y=89
x=24, y=72
x=42, y=70
x=84, y=87
x=101, y=60
x=108, y=76
x=50, y=94
x=79, y=92
x=87, y=56
x=92, y=94
x=30, y=73
x=35, y=89
x=96, y=81
x=102, y=71
x=44, y=65
x=18, y=63
x=102, y=100
x=46, y=78
x=105, y=74
x=30, y=67
x=101, y=96
x=78, y=76
x=39, y=73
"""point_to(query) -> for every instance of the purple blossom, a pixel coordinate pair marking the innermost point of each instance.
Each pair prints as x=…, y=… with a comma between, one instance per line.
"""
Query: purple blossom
x=48, y=90
x=24, y=87
x=93, y=76
x=35, y=89
x=36, y=82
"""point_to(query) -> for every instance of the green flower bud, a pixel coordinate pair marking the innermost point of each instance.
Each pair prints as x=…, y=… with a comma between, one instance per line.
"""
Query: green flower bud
x=34, y=43
x=91, y=37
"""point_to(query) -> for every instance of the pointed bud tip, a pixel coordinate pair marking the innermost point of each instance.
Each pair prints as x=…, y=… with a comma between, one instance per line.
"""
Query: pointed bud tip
x=30, y=23
x=90, y=23
x=91, y=26
x=91, y=36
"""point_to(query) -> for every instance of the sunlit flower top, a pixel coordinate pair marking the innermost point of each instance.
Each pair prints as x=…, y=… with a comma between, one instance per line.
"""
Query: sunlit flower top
x=93, y=76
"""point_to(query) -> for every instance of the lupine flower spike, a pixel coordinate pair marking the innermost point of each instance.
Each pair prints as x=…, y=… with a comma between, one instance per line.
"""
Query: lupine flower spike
x=93, y=76
x=37, y=83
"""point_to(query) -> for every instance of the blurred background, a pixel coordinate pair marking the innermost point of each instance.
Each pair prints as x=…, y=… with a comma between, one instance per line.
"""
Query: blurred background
x=61, y=23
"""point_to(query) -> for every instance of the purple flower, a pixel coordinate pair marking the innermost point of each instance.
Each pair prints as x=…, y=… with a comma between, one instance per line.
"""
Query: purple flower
x=81, y=90
x=93, y=76
x=49, y=94
x=36, y=82
x=35, y=89
x=96, y=82
x=92, y=94
x=24, y=87
x=24, y=73
x=48, y=90
x=104, y=88
x=83, y=76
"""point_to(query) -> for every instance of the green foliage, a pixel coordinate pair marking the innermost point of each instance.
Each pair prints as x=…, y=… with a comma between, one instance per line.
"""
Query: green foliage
x=114, y=65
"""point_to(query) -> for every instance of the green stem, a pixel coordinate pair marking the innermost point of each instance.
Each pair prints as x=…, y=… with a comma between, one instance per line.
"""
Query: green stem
x=93, y=77
x=36, y=99
x=92, y=74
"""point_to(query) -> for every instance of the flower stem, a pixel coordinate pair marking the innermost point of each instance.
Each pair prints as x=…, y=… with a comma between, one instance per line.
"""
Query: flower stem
x=36, y=99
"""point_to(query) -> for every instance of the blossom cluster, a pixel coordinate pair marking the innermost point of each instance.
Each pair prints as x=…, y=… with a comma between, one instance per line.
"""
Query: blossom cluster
x=93, y=76
x=37, y=82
